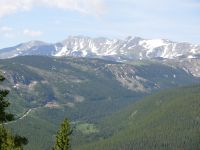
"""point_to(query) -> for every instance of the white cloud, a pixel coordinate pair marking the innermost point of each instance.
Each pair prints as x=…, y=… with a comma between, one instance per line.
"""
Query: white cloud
x=8, y=7
x=94, y=7
x=6, y=29
x=9, y=35
x=83, y=6
x=7, y=32
x=32, y=33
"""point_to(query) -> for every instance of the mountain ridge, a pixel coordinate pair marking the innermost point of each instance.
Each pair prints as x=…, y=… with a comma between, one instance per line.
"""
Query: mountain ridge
x=130, y=48
x=83, y=89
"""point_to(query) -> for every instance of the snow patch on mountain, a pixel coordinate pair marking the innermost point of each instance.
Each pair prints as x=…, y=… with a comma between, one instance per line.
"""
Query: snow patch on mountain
x=151, y=44
x=131, y=48
x=61, y=52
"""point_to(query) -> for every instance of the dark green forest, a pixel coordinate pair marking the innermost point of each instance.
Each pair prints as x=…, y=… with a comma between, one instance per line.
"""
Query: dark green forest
x=138, y=105
x=163, y=121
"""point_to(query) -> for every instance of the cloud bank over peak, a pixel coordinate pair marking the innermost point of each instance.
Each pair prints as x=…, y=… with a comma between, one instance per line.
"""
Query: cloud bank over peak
x=92, y=7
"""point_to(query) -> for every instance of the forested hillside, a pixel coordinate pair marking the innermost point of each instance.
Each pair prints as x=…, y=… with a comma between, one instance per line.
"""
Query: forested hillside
x=169, y=120
x=45, y=90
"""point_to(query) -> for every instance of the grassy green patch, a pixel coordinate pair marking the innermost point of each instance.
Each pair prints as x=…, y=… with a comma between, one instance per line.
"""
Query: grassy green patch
x=86, y=128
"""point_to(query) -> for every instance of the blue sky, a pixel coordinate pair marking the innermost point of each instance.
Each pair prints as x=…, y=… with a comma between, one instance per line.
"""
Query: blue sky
x=55, y=20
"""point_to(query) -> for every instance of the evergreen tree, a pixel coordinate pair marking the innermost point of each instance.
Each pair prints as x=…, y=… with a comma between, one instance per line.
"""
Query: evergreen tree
x=7, y=140
x=62, y=138
x=4, y=116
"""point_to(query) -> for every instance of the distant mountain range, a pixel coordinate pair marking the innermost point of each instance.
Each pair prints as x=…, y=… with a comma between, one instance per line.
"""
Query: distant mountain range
x=130, y=48
x=102, y=97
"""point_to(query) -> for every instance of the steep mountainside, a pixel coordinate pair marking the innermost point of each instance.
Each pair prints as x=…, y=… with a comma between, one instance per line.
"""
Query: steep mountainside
x=191, y=66
x=164, y=121
x=53, y=79
x=44, y=90
x=112, y=49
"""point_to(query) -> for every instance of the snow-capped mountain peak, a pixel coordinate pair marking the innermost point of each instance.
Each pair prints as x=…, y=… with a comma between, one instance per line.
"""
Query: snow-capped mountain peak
x=151, y=44
x=115, y=49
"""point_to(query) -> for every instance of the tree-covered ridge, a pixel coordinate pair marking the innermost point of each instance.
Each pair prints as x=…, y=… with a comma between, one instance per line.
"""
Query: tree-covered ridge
x=36, y=81
x=164, y=121
x=85, y=90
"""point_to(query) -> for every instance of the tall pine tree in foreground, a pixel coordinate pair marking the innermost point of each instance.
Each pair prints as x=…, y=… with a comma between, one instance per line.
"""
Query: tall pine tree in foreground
x=62, y=138
x=7, y=140
x=4, y=116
